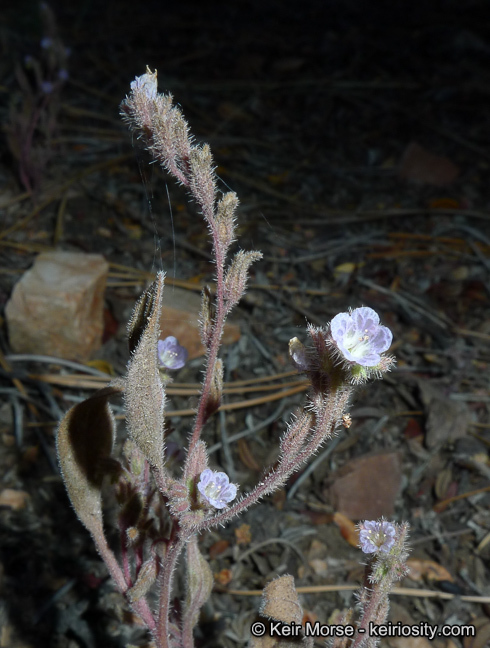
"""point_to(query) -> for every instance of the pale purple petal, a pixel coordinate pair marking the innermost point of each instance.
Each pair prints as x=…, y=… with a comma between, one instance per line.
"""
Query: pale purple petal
x=365, y=318
x=339, y=324
x=171, y=354
x=382, y=339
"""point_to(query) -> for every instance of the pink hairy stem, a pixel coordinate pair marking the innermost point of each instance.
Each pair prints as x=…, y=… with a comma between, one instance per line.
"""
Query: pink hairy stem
x=215, y=341
x=141, y=607
x=161, y=632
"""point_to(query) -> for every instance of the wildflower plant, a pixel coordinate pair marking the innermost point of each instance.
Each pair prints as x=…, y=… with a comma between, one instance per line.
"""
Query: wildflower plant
x=163, y=509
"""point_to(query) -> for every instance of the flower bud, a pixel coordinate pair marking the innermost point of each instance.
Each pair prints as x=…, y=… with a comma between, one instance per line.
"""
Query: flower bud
x=297, y=353
x=225, y=218
x=145, y=580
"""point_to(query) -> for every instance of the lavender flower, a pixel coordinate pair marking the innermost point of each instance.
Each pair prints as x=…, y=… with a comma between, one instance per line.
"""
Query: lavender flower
x=46, y=42
x=63, y=74
x=216, y=489
x=376, y=536
x=360, y=337
x=171, y=354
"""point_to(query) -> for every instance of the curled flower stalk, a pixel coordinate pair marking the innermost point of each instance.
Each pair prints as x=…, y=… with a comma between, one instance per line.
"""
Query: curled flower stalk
x=163, y=508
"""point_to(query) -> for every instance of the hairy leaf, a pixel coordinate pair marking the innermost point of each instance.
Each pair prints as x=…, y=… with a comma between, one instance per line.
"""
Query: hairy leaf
x=140, y=316
x=145, y=580
x=199, y=583
x=280, y=601
x=85, y=437
x=144, y=394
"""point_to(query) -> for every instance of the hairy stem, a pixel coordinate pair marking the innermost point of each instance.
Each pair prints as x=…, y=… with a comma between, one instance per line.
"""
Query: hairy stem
x=369, y=614
x=169, y=563
x=324, y=427
x=141, y=607
x=214, y=346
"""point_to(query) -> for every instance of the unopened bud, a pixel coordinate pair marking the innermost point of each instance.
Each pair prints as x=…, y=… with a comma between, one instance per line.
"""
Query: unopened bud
x=202, y=176
x=236, y=277
x=145, y=580
x=198, y=460
x=225, y=218
x=297, y=353
x=179, y=498
x=133, y=535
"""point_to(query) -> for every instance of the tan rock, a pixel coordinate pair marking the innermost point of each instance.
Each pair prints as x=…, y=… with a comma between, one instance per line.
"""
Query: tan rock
x=180, y=315
x=57, y=307
x=14, y=499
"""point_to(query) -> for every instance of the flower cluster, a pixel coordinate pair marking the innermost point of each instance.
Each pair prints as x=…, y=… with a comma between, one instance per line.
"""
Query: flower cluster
x=169, y=507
